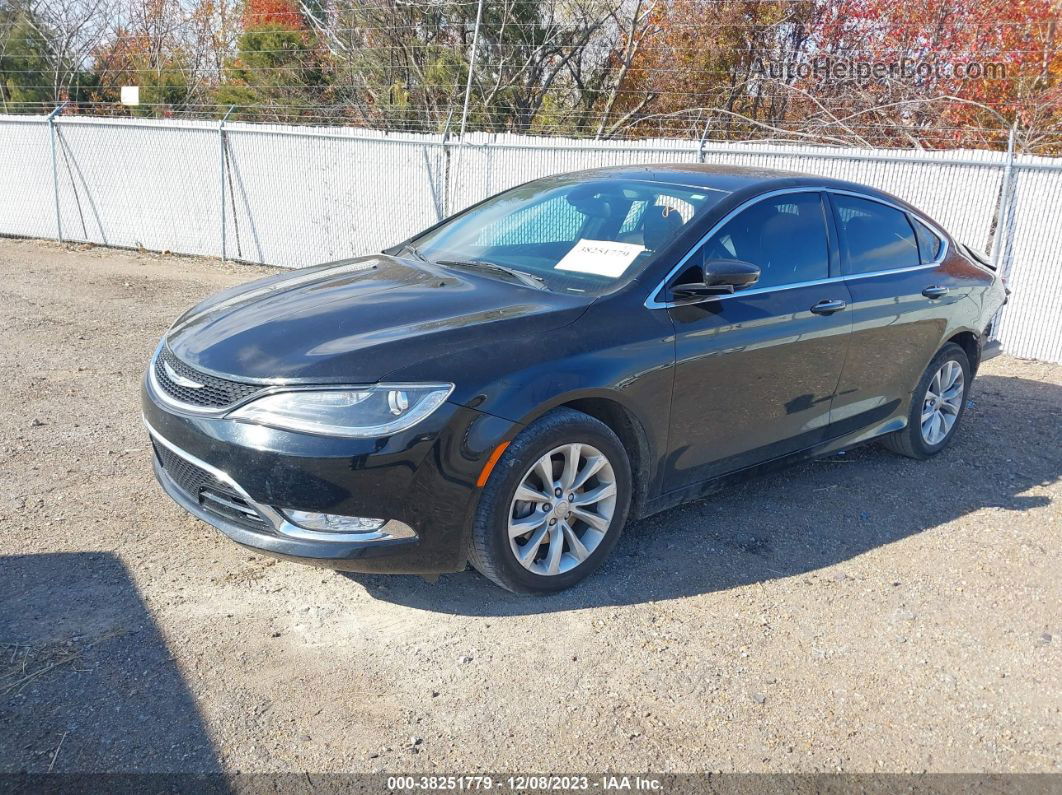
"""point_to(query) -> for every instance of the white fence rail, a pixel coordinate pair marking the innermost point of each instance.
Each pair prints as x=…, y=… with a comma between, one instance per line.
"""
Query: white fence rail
x=295, y=196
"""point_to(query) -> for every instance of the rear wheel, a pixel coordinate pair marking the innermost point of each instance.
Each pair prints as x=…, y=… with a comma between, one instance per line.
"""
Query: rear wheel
x=554, y=505
x=937, y=406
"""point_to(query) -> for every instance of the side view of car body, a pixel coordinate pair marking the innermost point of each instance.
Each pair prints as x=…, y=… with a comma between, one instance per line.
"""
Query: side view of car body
x=512, y=386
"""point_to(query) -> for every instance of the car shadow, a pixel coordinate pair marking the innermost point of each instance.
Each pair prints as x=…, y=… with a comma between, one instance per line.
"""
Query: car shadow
x=812, y=516
x=87, y=683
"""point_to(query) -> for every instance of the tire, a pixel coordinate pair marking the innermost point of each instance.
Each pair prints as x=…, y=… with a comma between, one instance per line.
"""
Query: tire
x=492, y=552
x=913, y=441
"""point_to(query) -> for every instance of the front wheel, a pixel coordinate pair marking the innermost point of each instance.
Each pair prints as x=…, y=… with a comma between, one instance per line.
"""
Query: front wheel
x=554, y=505
x=937, y=405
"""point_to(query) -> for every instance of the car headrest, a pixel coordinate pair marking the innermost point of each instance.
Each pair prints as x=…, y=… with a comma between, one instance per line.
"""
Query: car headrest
x=660, y=225
x=592, y=201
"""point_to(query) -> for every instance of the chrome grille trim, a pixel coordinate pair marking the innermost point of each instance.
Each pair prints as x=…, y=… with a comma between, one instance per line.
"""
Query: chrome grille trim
x=213, y=477
x=218, y=395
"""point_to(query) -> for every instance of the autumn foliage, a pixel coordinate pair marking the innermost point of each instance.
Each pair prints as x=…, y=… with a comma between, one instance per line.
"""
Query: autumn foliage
x=972, y=70
x=733, y=68
x=1018, y=38
x=272, y=13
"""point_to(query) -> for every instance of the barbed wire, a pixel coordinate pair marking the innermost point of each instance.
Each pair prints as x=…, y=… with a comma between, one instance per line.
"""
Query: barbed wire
x=636, y=70
x=871, y=54
x=792, y=67
x=330, y=111
x=123, y=33
x=986, y=24
x=979, y=55
x=928, y=138
x=480, y=115
x=839, y=103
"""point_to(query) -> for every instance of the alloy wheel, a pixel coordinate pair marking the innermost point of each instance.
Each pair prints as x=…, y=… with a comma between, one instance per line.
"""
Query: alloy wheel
x=562, y=509
x=942, y=403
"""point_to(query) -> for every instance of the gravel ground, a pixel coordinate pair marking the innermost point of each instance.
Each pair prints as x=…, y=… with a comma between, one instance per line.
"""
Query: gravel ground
x=865, y=613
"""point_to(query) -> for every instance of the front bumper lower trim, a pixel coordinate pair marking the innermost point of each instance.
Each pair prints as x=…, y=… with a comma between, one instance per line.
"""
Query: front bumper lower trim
x=287, y=539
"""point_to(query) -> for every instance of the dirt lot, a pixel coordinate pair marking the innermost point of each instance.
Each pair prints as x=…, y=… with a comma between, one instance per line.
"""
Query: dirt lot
x=866, y=613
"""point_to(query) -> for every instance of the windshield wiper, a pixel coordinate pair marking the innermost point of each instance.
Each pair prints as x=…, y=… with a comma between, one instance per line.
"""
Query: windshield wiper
x=529, y=279
x=412, y=250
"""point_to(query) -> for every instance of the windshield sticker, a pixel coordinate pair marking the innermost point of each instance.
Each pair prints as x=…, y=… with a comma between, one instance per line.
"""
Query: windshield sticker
x=600, y=257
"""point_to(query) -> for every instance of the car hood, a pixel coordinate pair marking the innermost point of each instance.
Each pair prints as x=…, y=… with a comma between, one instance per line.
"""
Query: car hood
x=356, y=320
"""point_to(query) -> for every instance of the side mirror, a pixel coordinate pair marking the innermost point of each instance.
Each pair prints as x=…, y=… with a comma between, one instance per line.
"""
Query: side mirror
x=719, y=277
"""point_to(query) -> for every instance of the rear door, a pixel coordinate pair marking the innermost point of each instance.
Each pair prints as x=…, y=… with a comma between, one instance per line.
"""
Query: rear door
x=756, y=370
x=900, y=305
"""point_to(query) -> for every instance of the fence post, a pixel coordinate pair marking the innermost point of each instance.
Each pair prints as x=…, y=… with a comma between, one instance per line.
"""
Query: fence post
x=446, y=166
x=471, y=68
x=224, y=169
x=1003, y=211
x=700, y=143
x=468, y=90
x=55, y=171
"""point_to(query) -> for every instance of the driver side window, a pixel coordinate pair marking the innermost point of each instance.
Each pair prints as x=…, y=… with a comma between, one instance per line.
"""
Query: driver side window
x=785, y=236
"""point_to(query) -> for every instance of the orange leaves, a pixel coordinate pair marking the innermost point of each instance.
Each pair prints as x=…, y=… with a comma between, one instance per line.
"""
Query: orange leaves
x=930, y=73
x=273, y=13
x=1019, y=38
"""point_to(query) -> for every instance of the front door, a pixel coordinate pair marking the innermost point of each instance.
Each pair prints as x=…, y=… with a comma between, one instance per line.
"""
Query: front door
x=757, y=371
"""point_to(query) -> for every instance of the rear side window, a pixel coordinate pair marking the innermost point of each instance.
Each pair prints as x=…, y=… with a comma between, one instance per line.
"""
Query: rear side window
x=929, y=244
x=874, y=236
x=785, y=236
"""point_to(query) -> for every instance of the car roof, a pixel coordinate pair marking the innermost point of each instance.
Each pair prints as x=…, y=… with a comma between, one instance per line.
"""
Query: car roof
x=732, y=179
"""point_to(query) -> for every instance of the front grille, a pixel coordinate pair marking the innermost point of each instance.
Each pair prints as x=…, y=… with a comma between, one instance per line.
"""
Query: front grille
x=190, y=478
x=216, y=393
x=212, y=494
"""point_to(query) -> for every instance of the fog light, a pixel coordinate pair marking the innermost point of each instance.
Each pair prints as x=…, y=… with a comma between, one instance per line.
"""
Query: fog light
x=334, y=523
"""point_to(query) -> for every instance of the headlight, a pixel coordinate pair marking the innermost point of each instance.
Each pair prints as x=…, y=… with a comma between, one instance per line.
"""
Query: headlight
x=365, y=412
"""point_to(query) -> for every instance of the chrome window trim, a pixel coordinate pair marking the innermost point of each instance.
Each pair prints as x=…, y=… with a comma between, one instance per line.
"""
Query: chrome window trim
x=811, y=283
x=652, y=303
x=932, y=227
x=933, y=231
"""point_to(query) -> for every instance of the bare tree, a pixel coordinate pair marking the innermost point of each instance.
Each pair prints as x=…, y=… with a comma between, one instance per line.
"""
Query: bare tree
x=635, y=29
x=71, y=29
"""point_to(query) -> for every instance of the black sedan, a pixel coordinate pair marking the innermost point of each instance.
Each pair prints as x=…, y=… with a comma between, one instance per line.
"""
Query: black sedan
x=513, y=385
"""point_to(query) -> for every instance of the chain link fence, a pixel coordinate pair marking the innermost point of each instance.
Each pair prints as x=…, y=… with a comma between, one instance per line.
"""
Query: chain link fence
x=295, y=195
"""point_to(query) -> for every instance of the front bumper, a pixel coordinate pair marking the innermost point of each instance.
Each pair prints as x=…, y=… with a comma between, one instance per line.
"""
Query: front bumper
x=232, y=511
x=239, y=478
x=991, y=349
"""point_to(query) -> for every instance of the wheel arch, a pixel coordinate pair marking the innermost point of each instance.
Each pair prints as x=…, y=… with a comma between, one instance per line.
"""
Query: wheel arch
x=607, y=407
x=970, y=342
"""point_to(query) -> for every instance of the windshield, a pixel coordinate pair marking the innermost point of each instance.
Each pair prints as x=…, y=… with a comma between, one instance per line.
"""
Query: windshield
x=569, y=235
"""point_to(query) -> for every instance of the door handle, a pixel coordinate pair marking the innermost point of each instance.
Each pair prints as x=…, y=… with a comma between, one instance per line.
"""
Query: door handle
x=935, y=292
x=828, y=306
